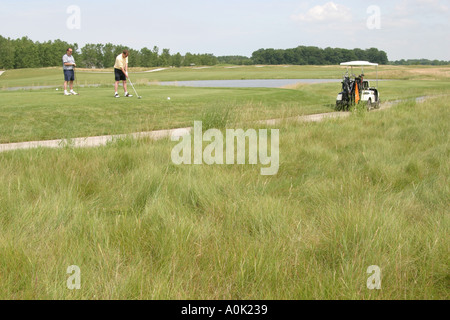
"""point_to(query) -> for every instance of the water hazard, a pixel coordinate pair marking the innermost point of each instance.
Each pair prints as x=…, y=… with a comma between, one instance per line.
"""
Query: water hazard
x=247, y=83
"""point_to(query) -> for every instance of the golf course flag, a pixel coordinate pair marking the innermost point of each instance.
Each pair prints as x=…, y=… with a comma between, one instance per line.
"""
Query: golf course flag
x=356, y=93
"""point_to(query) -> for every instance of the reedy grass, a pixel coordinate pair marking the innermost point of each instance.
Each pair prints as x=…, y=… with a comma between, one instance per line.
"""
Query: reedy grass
x=368, y=190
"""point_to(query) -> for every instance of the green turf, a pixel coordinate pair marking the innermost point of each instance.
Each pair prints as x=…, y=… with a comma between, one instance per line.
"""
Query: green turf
x=48, y=114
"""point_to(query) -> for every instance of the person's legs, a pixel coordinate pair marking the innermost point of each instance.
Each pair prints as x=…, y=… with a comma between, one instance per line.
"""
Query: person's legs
x=125, y=86
x=118, y=77
x=71, y=80
x=66, y=81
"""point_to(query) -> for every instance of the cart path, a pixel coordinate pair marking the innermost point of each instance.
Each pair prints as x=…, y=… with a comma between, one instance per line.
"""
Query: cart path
x=93, y=141
x=161, y=134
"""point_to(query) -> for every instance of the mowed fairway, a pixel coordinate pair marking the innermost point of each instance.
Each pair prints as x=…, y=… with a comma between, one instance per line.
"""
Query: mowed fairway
x=371, y=189
x=47, y=114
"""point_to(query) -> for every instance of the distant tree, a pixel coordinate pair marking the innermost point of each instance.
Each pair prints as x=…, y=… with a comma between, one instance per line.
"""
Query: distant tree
x=92, y=56
x=332, y=56
x=348, y=55
x=146, y=57
x=189, y=59
x=271, y=56
x=50, y=53
x=206, y=59
x=360, y=54
x=237, y=60
x=165, y=60
x=134, y=59
x=108, y=55
x=374, y=55
x=6, y=53
x=404, y=62
x=26, y=54
x=315, y=56
x=299, y=56
x=258, y=56
x=155, y=61
x=177, y=60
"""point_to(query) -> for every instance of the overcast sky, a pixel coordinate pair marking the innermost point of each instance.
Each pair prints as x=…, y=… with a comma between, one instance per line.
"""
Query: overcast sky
x=405, y=29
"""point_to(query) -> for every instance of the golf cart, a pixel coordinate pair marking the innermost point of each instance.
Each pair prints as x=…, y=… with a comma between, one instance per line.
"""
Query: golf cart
x=356, y=90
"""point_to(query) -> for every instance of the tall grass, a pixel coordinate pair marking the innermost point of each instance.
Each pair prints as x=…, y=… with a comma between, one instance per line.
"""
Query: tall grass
x=350, y=193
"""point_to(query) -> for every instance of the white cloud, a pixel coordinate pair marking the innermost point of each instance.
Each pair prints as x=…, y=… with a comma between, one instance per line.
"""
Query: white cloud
x=329, y=12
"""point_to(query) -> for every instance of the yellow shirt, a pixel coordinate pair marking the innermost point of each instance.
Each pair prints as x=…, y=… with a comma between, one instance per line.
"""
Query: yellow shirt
x=121, y=62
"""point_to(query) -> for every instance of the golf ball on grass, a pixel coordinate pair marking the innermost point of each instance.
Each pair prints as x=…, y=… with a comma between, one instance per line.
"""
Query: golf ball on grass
x=168, y=98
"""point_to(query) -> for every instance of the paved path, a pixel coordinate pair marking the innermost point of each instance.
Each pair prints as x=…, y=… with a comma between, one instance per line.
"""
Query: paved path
x=155, y=135
x=309, y=118
x=154, y=70
x=93, y=141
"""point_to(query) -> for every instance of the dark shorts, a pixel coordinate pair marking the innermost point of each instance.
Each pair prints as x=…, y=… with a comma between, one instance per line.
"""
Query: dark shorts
x=120, y=76
x=69, y=75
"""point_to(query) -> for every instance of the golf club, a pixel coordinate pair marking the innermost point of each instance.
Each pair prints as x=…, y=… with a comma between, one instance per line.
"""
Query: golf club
x=139, y=97
x=76, y=81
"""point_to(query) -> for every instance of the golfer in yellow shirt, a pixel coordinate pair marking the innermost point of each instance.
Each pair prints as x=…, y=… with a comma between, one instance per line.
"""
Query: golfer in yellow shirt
x=121, y=72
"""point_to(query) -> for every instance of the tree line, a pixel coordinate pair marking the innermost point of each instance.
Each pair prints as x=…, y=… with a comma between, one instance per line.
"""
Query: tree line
x=25, y=53
x=419, y=62
x=307, y=55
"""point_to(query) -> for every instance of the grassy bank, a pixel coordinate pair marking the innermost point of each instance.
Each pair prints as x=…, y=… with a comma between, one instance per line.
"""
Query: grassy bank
x=372, y=189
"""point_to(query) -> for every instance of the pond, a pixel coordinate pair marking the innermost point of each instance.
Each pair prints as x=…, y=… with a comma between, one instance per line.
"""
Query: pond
x=252, y=83
x=249, y=83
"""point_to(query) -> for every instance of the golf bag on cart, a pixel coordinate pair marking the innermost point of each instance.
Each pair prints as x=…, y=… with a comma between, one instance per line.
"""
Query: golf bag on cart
x=345, y=97
x=350, y=94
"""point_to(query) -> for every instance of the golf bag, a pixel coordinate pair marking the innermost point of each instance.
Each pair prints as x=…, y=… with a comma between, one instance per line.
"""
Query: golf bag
x=349, y=87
